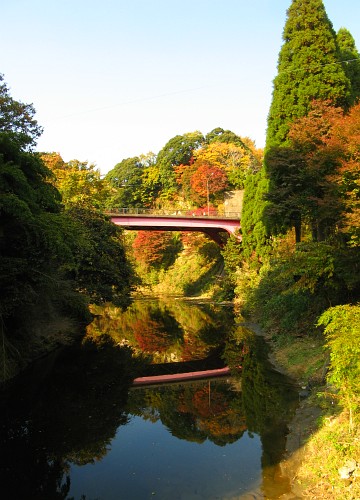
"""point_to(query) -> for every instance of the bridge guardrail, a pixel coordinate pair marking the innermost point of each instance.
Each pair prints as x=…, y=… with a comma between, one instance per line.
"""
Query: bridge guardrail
x=172, y=213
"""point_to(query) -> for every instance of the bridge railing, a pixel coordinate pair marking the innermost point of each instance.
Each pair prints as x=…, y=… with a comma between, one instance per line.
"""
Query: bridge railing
x=173, y=213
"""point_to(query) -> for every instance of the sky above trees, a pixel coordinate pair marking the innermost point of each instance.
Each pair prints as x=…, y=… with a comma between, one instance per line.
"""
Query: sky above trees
x=115, y=79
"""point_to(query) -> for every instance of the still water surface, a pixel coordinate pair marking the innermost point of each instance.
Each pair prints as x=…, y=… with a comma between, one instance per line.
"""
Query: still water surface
x=78, y=430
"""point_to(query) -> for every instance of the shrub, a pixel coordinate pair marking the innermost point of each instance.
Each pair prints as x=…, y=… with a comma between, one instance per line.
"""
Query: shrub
x=342, y=331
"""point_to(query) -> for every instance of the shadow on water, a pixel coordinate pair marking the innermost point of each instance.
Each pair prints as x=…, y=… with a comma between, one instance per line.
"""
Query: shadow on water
x=71, y=417
x=269, y=401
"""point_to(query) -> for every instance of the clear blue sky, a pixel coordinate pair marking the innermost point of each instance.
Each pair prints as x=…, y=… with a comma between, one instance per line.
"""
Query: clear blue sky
x=111, y=79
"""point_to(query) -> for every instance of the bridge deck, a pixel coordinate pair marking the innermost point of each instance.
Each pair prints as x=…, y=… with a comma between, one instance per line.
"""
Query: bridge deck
x=187, y=214
x=212, y=225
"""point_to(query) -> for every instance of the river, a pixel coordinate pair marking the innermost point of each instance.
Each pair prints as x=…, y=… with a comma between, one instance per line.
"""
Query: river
x=74, y=427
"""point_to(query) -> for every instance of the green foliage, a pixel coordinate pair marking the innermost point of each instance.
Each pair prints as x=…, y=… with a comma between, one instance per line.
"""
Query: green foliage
x=17, y=119
x=255, y=238
x=194, y=271
x=314, y=265
x=232, y=255
x=307, y=68
x=298, y=287
x=220, y=135
x=77, y=182
x=31, y=246
x=47, y=255
x=284, y=166
x=177, y=151
x=126, y=176
x=100, y=268
x=36, y=246
x=24, y=179
x=342, y=331
x=351, y=57
x=134, y=182
x=207, y=275
x=277, y=305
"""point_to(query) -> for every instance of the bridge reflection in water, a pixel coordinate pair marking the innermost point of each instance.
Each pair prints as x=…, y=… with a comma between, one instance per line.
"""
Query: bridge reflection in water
x=181, y=377
x=215, y=226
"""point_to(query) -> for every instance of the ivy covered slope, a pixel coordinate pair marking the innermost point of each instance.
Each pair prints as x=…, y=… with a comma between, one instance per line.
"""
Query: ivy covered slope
x=52, y=260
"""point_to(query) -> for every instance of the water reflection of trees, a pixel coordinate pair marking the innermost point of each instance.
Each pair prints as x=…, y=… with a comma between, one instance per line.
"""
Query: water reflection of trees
x=195, y=412
x=269, y=401
x=71, y=416
x=167, y=331
x=209, y=410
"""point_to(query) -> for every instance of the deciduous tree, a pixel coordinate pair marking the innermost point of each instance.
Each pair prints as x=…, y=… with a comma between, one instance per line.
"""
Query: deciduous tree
x=345, y=139
x=78, y=182
x=17, y=119
x=301, y=186
x=177, y=151
x=208, y=180
x=100, y=268
x=126, y=178
x=30, y=244
x=236, y=161
x=154, y=248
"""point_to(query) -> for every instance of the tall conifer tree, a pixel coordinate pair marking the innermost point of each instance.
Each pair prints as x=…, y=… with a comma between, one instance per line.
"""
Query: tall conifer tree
x=308, y=68
x=351, y=58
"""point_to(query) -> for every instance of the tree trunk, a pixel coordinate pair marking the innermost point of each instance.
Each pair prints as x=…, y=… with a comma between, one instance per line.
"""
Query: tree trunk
x=297, y=231
x=314, y=232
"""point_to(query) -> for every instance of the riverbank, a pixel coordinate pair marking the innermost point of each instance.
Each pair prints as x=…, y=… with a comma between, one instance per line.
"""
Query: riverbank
x=303, y=362
x=322, y=454
x=44, y=336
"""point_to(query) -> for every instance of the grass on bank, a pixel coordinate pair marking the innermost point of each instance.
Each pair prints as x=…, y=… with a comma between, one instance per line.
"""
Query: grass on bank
x=318, y=362
x=303, y=358
x=333, y=448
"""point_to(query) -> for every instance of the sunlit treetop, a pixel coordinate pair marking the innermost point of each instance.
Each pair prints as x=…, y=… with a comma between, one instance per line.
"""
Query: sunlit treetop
x=17, y=119
x=309, y=67
x=351, y=58
x=177, y=151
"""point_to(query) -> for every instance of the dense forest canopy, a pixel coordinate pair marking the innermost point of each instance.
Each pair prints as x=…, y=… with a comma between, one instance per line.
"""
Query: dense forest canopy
x=177, y=176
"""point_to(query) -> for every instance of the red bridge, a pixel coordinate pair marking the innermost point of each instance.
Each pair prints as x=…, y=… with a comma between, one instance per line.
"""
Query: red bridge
x=158, y=220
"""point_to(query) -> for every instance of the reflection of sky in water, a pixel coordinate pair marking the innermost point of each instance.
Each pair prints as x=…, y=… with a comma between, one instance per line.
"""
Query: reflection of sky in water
x=146, y=461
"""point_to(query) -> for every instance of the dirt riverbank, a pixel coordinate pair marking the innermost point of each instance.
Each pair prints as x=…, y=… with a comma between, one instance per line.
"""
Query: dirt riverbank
x=305, y=421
